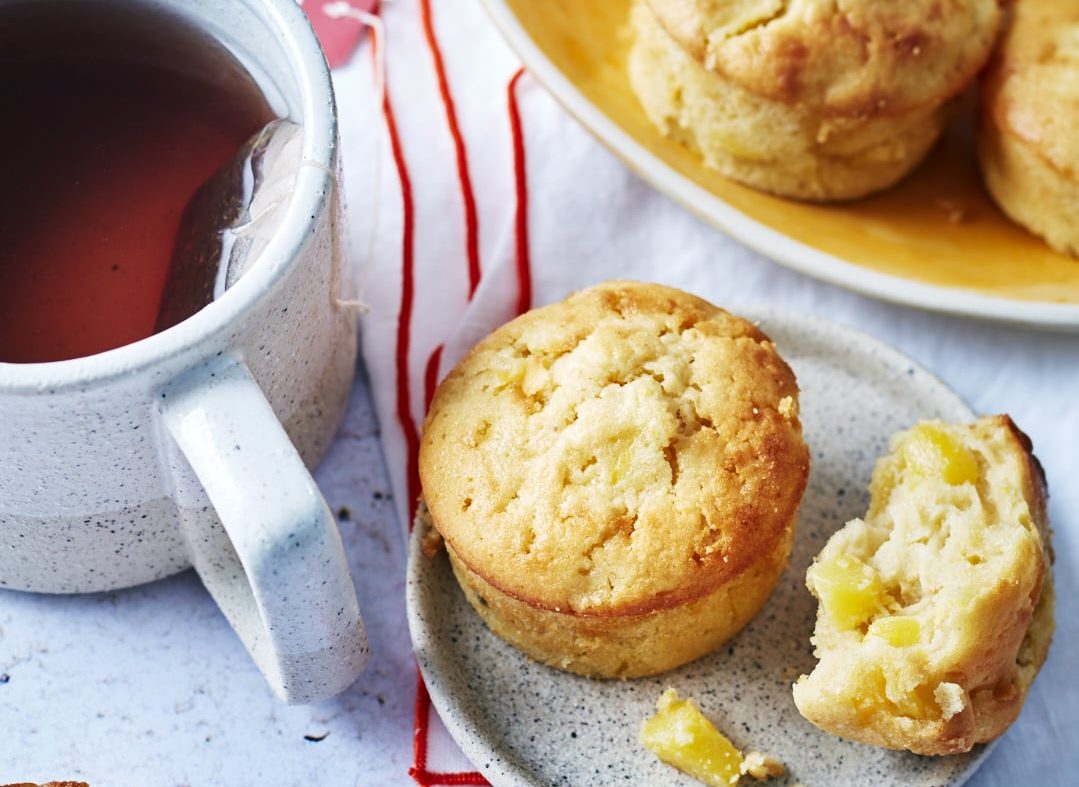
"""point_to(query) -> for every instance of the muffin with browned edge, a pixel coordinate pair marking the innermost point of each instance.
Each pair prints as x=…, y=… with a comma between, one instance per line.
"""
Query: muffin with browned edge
x=813, y=100
x=936, y=609
x=1027, y=146
x=616, y=477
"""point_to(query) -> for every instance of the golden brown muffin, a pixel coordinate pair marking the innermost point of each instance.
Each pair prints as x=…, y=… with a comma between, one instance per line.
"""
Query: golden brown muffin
x=802, y=99
x=936, y=610
x=616, y=477
x=1027, y=145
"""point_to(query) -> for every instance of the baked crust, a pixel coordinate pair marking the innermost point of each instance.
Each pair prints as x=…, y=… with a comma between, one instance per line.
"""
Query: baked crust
x=1028, y=149
x=855, y=59
x=630, y=645
x=622, y=454
x=790, y=149
x=978, y=581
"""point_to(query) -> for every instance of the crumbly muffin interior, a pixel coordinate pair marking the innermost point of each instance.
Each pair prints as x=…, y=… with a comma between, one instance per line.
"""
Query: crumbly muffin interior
x=926, y=604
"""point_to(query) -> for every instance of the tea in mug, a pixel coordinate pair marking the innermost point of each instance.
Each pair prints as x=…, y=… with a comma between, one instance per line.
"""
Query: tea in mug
x=115, y=116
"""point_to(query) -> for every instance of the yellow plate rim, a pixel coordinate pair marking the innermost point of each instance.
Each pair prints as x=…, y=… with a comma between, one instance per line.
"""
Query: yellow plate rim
x=769, y=242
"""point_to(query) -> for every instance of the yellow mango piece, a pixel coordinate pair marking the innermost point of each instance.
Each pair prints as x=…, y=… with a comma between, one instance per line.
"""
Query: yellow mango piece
x=526, y=374
x=880, y=695
x=932, y=453
x=535, y=377
x=680, y=735
x=509, y=374
x=620, y=464
x=900, y=631
x=918, y=704
x=850, y=590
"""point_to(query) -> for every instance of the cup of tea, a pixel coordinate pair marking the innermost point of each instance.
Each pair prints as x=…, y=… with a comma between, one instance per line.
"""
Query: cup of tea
x=144, y=178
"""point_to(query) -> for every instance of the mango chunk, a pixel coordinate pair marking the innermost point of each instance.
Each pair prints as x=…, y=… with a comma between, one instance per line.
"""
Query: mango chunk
x=621, y=462
x=680, y=735
x=881, y=695
x=850, y=590
x=526, y=374
x=509, y=373
x=900, y=631
x=930, y=452
x=535, y=377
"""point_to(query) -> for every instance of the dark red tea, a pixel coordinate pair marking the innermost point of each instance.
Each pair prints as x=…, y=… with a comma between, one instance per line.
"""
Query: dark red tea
x=112, y=117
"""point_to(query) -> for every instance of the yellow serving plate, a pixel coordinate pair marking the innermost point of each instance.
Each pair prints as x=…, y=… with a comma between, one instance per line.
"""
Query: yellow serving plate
x=935, y=241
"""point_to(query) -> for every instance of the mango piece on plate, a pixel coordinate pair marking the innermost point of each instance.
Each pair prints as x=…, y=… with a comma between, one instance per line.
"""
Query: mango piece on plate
x=680, y=735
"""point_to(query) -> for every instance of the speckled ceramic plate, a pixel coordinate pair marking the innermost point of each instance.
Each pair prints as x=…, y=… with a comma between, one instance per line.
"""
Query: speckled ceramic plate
x=935, y=241
x=526, y=724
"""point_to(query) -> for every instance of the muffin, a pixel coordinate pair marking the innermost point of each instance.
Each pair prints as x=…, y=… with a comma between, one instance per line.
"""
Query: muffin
x=802, y=100
x=616, y=477
x=936, y=610
x=1027, y=145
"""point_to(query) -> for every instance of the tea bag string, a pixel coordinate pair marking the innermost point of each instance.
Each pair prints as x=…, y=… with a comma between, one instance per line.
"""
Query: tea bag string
x=342, y=9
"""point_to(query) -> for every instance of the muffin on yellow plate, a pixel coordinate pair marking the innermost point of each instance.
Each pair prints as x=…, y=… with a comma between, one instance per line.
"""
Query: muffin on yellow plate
x=936, y=610
x=1028, y=147
x=807, y=99
x=616, y=477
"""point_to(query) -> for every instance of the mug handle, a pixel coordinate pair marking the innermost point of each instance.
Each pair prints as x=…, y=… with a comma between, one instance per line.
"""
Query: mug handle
x=272, y=556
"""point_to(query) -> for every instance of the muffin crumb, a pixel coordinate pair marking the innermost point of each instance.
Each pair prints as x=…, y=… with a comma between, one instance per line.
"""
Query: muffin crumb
x=762, y=766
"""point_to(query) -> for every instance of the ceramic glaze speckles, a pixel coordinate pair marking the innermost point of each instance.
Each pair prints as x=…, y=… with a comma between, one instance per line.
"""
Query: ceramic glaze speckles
x=526, y=724
x=192, y=446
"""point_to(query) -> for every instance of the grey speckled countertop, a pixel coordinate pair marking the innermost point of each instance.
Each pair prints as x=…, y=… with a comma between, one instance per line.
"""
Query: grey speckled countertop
x=151, y=687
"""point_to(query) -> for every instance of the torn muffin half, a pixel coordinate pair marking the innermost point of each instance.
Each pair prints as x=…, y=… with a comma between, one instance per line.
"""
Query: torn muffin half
x=936, y=609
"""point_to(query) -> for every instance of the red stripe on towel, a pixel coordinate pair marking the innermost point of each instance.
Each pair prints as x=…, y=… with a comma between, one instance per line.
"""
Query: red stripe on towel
x=418, y=771
x=464, y=180
x=422, y=710
x=472, y=244
x=520, y=173
x=404, y=314
x=430, y=377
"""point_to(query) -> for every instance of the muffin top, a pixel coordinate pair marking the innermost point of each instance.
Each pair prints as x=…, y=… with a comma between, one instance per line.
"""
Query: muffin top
x=860, y=58
x=623, y=451
x=1032, y=90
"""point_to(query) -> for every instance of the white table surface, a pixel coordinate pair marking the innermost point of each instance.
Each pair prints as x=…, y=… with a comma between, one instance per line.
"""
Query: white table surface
x=150, y=686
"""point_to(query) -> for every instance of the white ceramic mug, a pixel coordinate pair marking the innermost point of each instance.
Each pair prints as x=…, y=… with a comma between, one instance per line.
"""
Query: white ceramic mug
x=191, y=447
